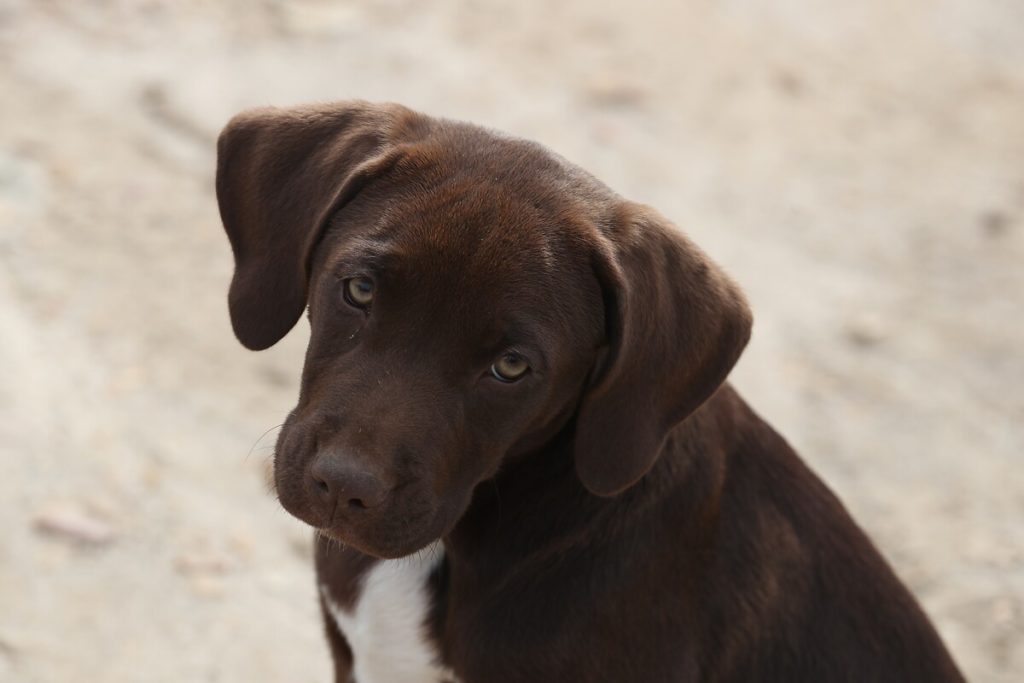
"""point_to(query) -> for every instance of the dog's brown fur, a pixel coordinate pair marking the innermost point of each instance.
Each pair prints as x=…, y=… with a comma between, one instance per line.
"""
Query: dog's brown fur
x=619, y=514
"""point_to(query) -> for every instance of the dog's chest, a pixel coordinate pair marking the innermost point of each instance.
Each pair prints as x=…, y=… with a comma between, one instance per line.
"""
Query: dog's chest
x=386, y=628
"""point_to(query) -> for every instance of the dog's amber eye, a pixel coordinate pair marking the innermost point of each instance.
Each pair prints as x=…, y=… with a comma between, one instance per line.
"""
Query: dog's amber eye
x=359, y=291
x=510, y=367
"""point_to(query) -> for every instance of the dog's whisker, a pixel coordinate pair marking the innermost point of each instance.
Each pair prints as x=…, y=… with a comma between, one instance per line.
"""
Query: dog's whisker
x=261, y=437
x=322, y=539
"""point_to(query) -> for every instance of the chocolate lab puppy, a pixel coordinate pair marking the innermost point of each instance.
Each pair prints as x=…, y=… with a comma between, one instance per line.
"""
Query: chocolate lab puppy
x=515, y=383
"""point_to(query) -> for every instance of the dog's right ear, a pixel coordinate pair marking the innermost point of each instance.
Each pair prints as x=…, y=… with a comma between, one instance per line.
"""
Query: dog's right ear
x=281, y=175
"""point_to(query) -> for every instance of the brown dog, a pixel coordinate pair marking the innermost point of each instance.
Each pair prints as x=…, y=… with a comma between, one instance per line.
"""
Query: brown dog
x=515, y=384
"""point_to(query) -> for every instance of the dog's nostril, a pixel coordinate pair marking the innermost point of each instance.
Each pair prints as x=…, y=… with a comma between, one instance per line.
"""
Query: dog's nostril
x=340, y=482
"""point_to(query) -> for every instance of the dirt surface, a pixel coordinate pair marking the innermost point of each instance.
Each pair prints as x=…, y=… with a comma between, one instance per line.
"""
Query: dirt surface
x=858, y=167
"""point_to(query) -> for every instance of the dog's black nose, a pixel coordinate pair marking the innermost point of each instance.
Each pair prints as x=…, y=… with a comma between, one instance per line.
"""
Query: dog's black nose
x=339, y=482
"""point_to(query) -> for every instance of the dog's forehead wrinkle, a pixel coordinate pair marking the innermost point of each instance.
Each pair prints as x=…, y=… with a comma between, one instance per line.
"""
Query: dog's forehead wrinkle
x=463, y=251
x=494, y=202
x=362, y=251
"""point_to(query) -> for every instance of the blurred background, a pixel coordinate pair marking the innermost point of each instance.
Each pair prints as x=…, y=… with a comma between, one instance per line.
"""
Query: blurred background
x=857, y=167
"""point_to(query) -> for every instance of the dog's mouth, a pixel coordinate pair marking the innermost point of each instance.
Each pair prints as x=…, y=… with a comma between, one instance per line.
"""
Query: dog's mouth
x=383, y=539
x=385, y=549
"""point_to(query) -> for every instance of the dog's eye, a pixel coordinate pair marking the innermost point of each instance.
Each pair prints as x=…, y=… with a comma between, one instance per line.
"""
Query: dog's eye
x=359, y=291
x=510, y=367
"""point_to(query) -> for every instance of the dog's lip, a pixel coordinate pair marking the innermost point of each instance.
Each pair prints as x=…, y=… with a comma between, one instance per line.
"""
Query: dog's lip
x=334, y=535
x=347, y=540
x=429, y=529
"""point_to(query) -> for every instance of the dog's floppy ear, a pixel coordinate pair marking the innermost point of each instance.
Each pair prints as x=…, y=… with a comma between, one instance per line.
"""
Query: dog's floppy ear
x=675, y=325
x=281, y=174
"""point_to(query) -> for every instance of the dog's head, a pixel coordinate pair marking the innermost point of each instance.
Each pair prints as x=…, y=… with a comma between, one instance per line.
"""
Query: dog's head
x=470, y=295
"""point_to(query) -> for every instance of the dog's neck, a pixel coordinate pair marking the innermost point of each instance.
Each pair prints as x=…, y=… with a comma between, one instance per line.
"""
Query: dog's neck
x=537, y=509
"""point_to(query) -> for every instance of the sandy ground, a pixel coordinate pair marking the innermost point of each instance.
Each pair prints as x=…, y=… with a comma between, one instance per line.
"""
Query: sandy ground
x=858, y=167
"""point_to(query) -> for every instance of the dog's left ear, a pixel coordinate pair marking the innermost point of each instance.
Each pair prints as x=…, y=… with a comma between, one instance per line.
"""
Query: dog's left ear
x=676, y=324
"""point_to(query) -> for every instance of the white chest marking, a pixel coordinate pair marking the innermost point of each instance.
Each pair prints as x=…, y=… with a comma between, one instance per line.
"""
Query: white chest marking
x=386, y=627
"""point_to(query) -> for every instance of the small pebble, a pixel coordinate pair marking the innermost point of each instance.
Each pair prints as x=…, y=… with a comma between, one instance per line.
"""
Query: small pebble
x=866, y=330
x=995, y=223
x=607, y=91
x=241, y=545
x=789, y=83
x=102, y=506
x=194, y=563
x=206, y=586
x=73, y=523
x=1003, y=612
x=8, y=648
x=275, y=376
